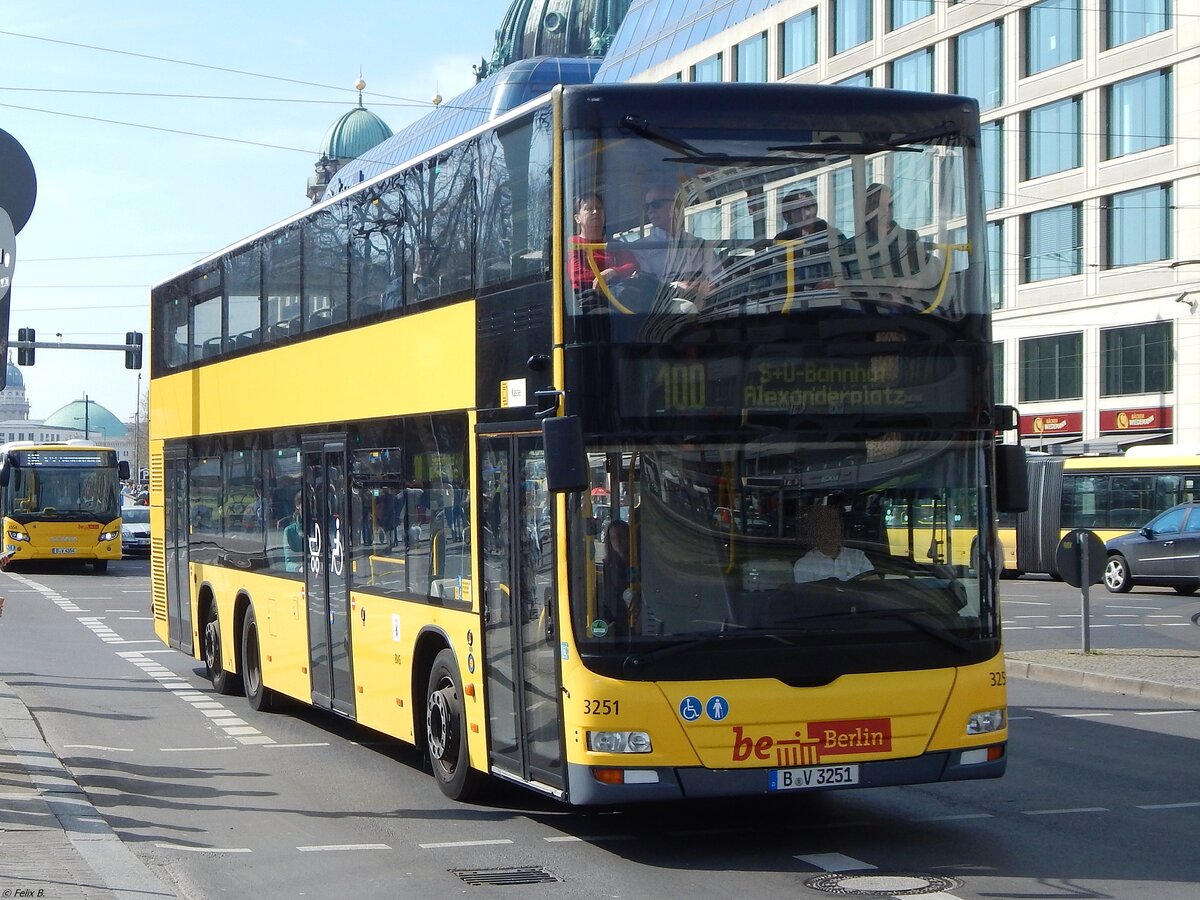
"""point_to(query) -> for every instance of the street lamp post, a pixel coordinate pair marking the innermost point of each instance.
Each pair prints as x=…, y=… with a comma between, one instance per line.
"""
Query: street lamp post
x=137, y=431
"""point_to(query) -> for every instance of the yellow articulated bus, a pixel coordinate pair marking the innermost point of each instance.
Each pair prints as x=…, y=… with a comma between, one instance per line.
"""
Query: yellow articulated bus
x=1109, y=494
x=560, y=510
x=61, y=502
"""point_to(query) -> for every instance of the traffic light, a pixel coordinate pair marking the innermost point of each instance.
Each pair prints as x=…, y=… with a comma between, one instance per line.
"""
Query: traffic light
x=25, y=354
x=133, y=350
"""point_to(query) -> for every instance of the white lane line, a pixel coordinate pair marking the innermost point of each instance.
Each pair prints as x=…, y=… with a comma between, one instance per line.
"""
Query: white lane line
x=194, y=749
x=1009, y=600
x=1085, y=715
x=1169, y=805
x=450, y=844
x=562, y=839
x=99, y=747
x=1063, y=812
x=124, y=610
x=136, y=618
x=1139, y=608
x=834, y=862
x=166, y=846
x=322, y=848
x=957, y=818
x=1165, y=712
x=295, y=746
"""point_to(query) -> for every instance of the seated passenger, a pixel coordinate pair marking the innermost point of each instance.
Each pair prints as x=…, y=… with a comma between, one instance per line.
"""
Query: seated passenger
x=829, y=558
x=611, y=265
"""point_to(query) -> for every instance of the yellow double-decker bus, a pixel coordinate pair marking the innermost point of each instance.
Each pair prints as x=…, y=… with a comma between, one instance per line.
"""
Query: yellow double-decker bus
x=627, y=535
x=1110, y=494
x=61, y=502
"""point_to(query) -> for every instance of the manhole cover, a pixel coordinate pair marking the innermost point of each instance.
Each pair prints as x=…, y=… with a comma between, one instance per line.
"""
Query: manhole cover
x=510, y=875
x=880, y=884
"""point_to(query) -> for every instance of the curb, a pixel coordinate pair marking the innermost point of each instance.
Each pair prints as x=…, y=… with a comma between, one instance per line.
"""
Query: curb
x=1112, y=684
x=101, y=848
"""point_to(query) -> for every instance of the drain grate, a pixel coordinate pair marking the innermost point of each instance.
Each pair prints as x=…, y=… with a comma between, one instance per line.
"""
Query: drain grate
x=509, y=875
x=881, y=884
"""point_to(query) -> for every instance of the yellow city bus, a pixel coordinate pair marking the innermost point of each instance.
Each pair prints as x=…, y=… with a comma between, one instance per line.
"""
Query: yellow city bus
x=61, y=502
x=1110, y=494
x=403, y=470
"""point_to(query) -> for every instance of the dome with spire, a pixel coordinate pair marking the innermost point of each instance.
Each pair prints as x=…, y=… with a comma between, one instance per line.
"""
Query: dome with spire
x=353, y=135
x=13, y=377
x=555, y=28
x=90, y=417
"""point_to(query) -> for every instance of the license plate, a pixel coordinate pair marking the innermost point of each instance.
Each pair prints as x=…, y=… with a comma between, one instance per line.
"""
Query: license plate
x=812, y=777
x=62, y=549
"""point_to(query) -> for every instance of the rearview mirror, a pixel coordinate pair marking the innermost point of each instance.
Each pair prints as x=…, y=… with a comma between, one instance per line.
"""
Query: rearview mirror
x=1012, y=480
x=566, y=463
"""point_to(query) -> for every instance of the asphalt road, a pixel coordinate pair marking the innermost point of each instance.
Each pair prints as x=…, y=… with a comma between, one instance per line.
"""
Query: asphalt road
x=1100, y=799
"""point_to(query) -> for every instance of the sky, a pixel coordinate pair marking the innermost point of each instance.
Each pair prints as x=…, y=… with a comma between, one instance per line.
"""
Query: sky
x=162, y=132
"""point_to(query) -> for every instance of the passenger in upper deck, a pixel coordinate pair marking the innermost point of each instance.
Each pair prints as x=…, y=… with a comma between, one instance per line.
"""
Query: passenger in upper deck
x=893, y=251
x=799, y=211
x=613, y=264
x=681, y=262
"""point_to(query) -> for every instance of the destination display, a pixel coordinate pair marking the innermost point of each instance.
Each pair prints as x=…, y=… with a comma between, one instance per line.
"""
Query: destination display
x=74, y=460
x=934, y=382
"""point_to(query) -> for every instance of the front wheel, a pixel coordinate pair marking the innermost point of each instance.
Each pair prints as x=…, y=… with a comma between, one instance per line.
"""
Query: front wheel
x=260, y=697
x=223, y=682
x=100, y=566
x=1186, y=589
x=445, y=730
x=1116, y=575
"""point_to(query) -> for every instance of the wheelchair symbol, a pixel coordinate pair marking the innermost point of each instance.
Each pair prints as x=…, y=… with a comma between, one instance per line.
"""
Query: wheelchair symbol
x=690, y=709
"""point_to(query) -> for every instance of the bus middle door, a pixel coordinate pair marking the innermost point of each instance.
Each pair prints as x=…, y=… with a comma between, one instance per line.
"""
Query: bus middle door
x=520, y=632
x=326, y=572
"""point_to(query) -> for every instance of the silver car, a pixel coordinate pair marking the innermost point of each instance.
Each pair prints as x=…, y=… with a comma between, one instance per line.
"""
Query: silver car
x=135, y=530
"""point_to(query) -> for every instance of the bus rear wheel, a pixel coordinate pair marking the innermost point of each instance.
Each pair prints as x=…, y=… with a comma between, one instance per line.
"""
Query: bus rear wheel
x=223, y=682
x=445, y=730
x=260, y=697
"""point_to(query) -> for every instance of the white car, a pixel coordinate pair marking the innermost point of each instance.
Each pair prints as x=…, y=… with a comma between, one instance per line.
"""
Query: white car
x=135, y=530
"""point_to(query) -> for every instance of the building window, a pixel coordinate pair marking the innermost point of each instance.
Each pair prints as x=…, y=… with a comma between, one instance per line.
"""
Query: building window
x=862, y=79
x=851, y=24
x=978, y=55
x=1129, y=20
x=750, y=59
x=1053, y=141
x=1052, y=368
x=1136, y=360
x=1053, y=248
x=798, y=42
x=710, y=69
x=1139, y=226
x=1139, y=113
x=991, y=157
x=905, y=11
x=914, y=72
x=995, y=263
x=1051, y=35
x=998, y=372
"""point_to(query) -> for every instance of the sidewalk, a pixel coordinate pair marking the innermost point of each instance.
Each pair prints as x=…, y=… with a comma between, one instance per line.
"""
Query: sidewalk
x=53, y=842
x=52, y=839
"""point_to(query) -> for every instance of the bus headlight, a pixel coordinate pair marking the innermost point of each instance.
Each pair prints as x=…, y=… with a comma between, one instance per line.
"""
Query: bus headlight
x=109, y=535
x=986, y=721
x=18, y=536
x=619, y=741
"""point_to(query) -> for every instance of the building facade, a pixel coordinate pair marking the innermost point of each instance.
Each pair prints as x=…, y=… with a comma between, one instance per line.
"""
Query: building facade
x=1090, y=154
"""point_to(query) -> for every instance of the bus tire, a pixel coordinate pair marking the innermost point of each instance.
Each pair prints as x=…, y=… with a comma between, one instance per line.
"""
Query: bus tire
x=1116, y=575
x=99, y=566
x=260, y=697
x=445, y=730
x=223, y=682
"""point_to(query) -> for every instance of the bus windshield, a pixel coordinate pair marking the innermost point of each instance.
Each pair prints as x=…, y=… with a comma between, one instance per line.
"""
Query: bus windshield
x=786, y=547
x=677, y=228
x=67, y=493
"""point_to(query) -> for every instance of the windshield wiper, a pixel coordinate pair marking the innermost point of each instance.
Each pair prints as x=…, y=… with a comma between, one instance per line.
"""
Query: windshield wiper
x=642, y=128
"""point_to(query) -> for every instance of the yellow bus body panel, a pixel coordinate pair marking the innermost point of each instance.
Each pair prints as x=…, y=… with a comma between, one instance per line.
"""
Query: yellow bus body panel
x=63, y=541
x=857, y=718
x=340, y=377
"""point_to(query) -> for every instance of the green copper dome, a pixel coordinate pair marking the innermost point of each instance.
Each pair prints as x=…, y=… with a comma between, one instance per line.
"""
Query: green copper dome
x=354, y=134
x=101, y=425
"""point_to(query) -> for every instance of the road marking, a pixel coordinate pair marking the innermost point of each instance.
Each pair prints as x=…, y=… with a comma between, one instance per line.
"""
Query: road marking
x=1008, y=599
x=295, y=746
x=450, y=844
x=321, y=848
x=194, y=749
x=1169, y=806
x=834, y=862
x=137, y=618
x=166, y=846
x=98, y=747
x=1085, y=715
x=1063, y=812
x=956, y=818
x=1165, y=712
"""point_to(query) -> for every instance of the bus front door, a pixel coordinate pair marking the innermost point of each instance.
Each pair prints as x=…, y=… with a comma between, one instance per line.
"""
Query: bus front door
x=520, y=631
x=326, y=575
x=175, y=547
